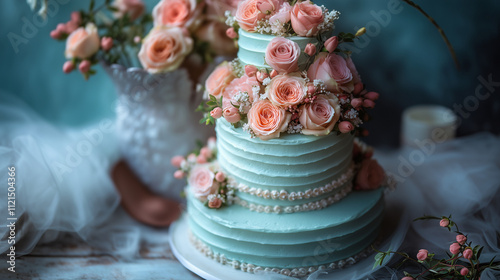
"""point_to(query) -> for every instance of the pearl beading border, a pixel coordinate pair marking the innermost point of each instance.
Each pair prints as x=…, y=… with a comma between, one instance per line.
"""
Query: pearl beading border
x=311, y=206
x=294, y=272
x=284, y=195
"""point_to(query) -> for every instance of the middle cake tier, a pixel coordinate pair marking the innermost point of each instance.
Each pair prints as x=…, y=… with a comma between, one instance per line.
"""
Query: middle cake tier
x=294, y=170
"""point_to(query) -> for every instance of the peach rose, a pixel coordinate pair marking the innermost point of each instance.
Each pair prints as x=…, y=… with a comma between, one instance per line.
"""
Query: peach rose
x=164, y=49
x=333, y=71
x=284, y=90
x=243, y=84
x=83, y=42
x=219, y=79
x=231, y=114
x=306, y=17
x=370, y=175
x=179, y=13
x=214, y=33
x=282, y=16
x=283, y=55
x=201, y=181
x=267, y=120
x=134, y=8
x=215, y=202
x=320, y=116
x=249, y=12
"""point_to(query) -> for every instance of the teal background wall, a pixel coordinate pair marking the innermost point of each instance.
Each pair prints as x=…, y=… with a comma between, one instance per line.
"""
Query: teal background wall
x=403, y=58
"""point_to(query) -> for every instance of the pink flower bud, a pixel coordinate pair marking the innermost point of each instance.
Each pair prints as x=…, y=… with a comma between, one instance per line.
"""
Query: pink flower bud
x=407, y=278
x=61, y=27
x=464, y=271
x=468, y=253
x=106, y=43
x=231, y=33
x=264, y=7
x=179, y=174
x=137, y=39
x=372, y=95
x=357, y=102
x=68, y=66
x=216, y=113
x=311, y=89
x=177, y=161
x=346, y=127
x=331, y=44
x=261, y=76
x=191, y=157
x=422, y=254
x=250, y=70
x=310, y=49
x=215, y=203
x=444, y=222
x=205, y=151
x=220, y=177
x=358, y=88
x=455, y=248
x=75, y=17
x=274, y=73
x=84, y=66
x=367, y=103
x=55, y=34
x=201, y=159
x=461, y=239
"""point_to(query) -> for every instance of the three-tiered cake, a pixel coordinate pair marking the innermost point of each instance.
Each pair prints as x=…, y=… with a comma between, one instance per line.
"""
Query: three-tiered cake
x=285, y=188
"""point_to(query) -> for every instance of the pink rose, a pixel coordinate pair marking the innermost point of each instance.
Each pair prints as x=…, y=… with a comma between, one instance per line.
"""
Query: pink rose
x=238, y=86
x=249, y=12
x=178, y=13
x=320, y=116
x=231, y=114
x=214, y=33
x=220, y=176
x=134, y=8
x=331, y=44
x=164, y=49
x=84, y=66
x=216, y=113
x=215, y=202
x=106, y=43
x=83, y=42
x=310, y=49
x=179, y=174
x=455, y=248
x=282, y=16
x=464, y=271
x=346, y=127
x=283, y=55
x=356, y=79
x=284, y=90
x=261, y=76
x=444, y=222
x=231, y=33
x=370, y=175
x=422, y=254
x=219, y=79
x=250, y=70
x=333, y=71
x=267, y=120
x=461, y=239
x=68, y=66
x=205, y=151
x=306, y=17
x=468, y=253
x=201, y=181
x=176, y=161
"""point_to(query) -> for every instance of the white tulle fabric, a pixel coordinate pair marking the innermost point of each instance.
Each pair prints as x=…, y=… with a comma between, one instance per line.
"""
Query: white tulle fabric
x=63, y=185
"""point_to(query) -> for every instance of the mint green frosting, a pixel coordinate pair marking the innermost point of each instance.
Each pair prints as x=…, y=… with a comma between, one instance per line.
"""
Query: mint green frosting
x=252, y=48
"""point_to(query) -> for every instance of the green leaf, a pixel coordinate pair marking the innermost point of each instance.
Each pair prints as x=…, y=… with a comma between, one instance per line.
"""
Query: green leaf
x=379, y=258
x=91, y=5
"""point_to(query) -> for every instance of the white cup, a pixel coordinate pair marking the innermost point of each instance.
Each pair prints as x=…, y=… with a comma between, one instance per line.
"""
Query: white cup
x=424, y=123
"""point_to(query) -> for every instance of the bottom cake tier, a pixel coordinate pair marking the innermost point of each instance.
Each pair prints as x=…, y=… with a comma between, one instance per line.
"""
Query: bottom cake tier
x=290, y=244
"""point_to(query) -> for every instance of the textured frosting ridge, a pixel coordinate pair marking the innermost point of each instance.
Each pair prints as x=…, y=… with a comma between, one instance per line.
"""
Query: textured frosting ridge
x=252, y=48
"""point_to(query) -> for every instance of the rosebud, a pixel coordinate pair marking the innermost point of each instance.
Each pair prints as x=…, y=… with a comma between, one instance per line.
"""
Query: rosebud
x=461, y=239
x=215, y=202
x=358, y=88
x=367, y=103
x=310, y=49
x=407, y=278
x=331, y=44
x=68, y=66
x=311, y=89
x=346, y=127
x=250, y=70
x=220, y=177
x=464, y=271
x=205, y=151
x=422, y=254
x=468, y=253
x=261, y=76
x=55, y=34
x=361, y=31
x=274, y=73
x=201, y=159
x=177, y=161
x=84, y=66
x=61, y=27
x=455, y=248
x=179, y=174
x=372, y=95
x=231, y=33
x=216, y=113
x=444, y=222
x=106, y=43
x=264, y=7
x=357, y=102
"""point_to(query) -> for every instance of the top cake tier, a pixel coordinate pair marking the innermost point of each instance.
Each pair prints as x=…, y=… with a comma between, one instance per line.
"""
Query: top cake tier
x=252, y=48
